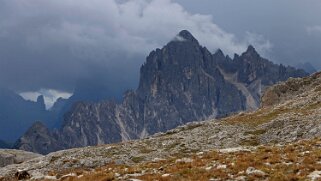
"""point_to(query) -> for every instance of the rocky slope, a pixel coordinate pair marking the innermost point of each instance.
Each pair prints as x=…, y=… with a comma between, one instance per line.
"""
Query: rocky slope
x=281, y=140
x=8, y=157
x=180, y=83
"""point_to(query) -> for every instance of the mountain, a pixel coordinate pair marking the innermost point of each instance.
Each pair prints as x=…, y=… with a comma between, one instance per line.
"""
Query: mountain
x=87, y=90
x=4, y=144
x=59, y=108
x=308, y=67
x=279, y=141
x=38, y=137
x=17, y=114
x=180, y=83
x=252, y=74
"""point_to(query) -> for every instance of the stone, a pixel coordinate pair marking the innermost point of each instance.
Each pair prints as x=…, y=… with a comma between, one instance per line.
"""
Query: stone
x=254, y=171
x=10, y=156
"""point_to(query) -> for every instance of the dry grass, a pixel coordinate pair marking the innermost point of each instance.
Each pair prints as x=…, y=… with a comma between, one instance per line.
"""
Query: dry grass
x=256, y=118
x=290, y=162
x=265, y=115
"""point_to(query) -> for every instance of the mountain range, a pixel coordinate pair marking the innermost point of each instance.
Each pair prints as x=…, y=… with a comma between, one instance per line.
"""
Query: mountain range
x=4, y=144
x=179, y=83
x=279, y=141
x=308, y=67
x=17, y=114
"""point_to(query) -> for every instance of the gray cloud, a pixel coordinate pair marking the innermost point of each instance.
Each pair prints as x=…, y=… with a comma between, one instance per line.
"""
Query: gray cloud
x=50, y=96
x=55, y=44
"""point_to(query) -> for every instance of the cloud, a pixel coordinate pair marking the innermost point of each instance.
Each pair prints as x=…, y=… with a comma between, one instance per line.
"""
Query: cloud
x=50, y=96
x=179, y=38
x=313, y=29
x=56, y=44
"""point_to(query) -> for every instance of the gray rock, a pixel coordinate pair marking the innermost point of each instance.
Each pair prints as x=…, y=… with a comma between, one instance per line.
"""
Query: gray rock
x=38, y=139
x=252, y=74
x=8, y=157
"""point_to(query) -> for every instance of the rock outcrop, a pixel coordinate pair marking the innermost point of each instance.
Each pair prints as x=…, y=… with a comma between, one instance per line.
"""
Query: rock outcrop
x=252, y=74
x=8, y=157
x=293, y=87
x=180, y=83
x=39, y=139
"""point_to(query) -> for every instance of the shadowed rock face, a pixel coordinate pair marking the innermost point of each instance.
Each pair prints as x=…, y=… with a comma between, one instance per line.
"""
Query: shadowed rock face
x=180, y=83
x=18, y=114
x=39, y=139
x=252, y=74
x=308, y=67
x=4, y=144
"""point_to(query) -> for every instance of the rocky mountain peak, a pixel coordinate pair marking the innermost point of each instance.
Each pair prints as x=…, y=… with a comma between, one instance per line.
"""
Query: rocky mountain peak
x=180, y=59
x=41, y=102
x=39, y=139
x=308, y=67
x=219, y=53
x=250, y=48
x=251, y=52
x=187, y=36
x=40, y=99
x=37, y=127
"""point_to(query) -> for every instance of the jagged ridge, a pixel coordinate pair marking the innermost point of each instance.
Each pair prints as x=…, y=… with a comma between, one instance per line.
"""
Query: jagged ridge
x=281, y=140
x=180, y=83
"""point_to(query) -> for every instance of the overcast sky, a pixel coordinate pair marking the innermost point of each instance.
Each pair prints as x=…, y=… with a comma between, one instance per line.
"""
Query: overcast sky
x=56, y=44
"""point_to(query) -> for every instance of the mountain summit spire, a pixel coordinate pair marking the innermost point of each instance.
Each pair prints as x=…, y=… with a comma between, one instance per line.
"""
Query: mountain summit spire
x=251, y=49
x=186, y=35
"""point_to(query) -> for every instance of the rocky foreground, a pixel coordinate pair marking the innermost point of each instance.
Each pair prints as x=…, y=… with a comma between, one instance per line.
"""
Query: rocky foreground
x=280, y=141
